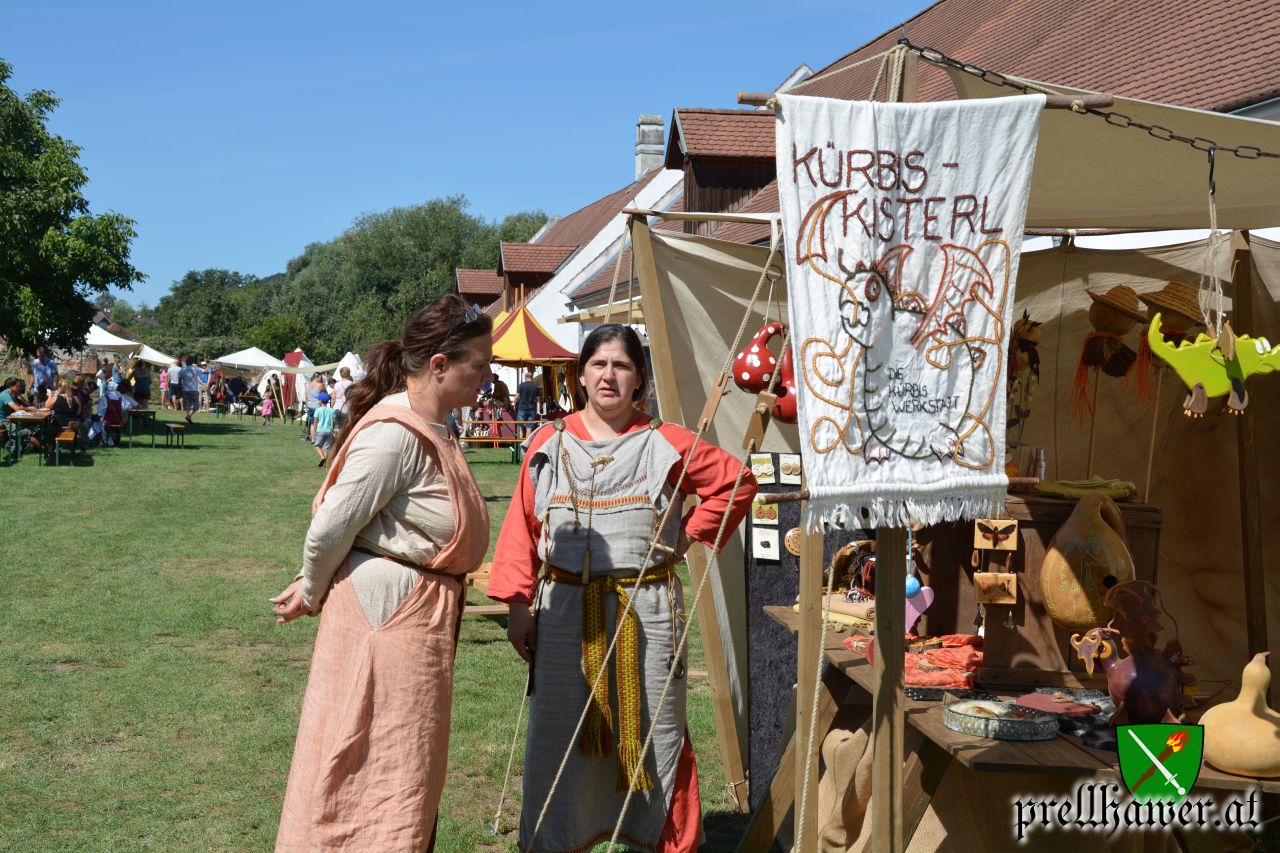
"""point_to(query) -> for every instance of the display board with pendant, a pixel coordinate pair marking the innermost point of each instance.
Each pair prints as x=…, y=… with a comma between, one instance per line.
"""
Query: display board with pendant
x=773, y=578
x=1028, y=642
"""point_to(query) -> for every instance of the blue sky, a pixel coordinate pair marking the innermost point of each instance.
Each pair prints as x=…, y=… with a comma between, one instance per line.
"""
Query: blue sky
x=236, y=133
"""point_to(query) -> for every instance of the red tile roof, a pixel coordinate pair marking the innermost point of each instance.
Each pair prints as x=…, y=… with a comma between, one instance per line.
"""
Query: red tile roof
x=479, y=282
x=581, y=226
x=533, y=257
x=1209, y=54
x=765, y=201
x=719, y=133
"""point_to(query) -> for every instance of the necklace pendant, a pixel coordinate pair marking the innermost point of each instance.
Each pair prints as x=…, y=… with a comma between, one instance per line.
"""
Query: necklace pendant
x=586, y=567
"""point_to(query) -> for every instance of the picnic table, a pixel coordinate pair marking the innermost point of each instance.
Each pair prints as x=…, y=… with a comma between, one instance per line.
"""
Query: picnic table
x=31, y=420
x=150, y=416
x=931, y=747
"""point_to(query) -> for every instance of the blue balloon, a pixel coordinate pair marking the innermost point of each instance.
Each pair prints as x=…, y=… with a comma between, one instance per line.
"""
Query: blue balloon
x=913, y=586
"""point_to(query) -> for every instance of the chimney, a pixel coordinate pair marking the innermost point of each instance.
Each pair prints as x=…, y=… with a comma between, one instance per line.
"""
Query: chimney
x=649, y=144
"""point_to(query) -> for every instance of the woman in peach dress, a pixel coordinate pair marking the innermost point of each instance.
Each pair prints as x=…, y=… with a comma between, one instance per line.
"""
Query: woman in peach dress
x=396, y=526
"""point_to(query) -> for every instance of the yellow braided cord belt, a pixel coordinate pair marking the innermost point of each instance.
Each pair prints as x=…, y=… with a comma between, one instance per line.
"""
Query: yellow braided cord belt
x=597, y=733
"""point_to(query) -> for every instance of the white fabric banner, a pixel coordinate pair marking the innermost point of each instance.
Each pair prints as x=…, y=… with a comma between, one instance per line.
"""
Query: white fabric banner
x=903, y=226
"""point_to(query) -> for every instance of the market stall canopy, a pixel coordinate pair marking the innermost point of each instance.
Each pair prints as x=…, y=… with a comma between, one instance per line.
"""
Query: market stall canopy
x=154, y=356
x=251, y=359
x=101, y=340
x=1092, y=173
x=520, y=339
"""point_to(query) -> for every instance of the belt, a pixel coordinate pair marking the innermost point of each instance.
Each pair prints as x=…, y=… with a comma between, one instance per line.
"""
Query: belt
x=597, y=732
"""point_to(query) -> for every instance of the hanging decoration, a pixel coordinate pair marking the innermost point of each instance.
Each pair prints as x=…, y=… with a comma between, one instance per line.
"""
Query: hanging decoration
x=1112, y=316
x=1214, y=367
x=1024, y=371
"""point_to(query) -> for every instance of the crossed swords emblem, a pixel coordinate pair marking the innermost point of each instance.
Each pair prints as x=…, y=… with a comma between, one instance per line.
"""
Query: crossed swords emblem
x=1174, y=744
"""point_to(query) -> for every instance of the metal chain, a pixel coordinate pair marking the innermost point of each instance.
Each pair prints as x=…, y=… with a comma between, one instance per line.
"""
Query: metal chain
x=1112, y=117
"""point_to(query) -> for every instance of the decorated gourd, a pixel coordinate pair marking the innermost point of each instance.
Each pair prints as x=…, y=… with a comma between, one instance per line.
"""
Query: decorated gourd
x=1243, y=736
x=785, y=409
x=1086, y=557
x=753, y=368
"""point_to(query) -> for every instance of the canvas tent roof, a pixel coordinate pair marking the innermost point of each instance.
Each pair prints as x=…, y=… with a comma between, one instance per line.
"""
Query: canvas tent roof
x=154, y=356
x=1092, y=174
x=251, y=359
x=100, y=339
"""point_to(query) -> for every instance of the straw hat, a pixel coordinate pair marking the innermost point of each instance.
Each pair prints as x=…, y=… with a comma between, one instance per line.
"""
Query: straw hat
x=1179, y=296
x=1123, y=298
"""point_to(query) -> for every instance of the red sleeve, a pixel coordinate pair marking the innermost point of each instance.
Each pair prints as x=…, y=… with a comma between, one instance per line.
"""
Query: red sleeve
x=711, y=474
x=514, y=571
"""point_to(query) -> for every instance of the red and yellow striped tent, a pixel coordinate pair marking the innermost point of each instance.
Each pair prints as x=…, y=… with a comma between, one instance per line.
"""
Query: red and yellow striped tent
x=521, y=341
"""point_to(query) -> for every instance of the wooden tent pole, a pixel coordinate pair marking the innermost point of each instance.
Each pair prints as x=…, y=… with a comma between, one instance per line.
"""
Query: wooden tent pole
x=1251, y=539
x=808, y=671
x=1093, y=421
x=1151, y=445
x=669, y=403
x=887, y=721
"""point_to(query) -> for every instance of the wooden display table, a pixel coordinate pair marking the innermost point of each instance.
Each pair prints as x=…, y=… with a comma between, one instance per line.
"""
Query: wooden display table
x=931, y=746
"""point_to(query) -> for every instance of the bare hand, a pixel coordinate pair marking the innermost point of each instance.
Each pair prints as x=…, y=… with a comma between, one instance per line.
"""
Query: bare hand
x=289, y=604
x=522, y=630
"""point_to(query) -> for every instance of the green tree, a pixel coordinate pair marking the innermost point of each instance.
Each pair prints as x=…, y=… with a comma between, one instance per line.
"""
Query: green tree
x=278, y=334
x=204, y=304
x=54, y=254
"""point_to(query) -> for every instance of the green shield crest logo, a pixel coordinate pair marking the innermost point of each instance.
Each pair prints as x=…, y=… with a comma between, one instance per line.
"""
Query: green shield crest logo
x=1160, y=761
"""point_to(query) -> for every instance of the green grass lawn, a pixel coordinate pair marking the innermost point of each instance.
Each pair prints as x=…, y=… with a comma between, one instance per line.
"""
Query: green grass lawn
x=148, y=701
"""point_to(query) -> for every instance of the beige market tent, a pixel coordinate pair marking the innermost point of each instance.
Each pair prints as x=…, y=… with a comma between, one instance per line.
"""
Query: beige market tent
x=1088, y=174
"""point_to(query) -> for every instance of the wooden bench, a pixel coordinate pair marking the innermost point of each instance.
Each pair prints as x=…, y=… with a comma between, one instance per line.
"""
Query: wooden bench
x=175, y=434
x=479, y=580
x=66, y=438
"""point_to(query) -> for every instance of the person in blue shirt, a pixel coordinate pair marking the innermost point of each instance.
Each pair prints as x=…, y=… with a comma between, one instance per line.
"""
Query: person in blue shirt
x=322, y=421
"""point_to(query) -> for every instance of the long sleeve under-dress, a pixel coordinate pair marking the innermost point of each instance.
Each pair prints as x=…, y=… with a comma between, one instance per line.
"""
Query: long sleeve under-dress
x=711, y=474
x=391, y=500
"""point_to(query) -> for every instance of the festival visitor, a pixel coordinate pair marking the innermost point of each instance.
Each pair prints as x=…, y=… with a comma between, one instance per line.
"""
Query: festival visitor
x=527, y=394
x=340, y=396
x=204, y=376
x=175, y=384
x=189, y=379
x=63, y=405
x=593, y=491
x=141, y=379
x=397, y=524
x=44, y=374
x=501, y=394
x=322, y=426
x=268, y=409
x=314, y=388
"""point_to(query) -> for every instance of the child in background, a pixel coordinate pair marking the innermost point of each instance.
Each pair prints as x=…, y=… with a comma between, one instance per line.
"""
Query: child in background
x=268, y=409
x=322, y=421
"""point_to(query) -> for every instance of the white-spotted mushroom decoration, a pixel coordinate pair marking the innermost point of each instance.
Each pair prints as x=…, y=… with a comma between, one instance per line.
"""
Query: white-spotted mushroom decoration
x=754, y=367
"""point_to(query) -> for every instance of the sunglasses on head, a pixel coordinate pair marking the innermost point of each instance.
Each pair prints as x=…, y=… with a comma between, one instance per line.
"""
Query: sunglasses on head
x=473, y=313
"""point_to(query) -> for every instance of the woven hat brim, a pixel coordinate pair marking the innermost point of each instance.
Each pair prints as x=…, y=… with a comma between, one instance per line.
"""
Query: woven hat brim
x=1174, y=301
x=1127, y=310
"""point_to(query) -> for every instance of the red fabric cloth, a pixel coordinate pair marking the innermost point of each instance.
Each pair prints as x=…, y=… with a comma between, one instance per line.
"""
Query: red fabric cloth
x=684, y=819
x=711, y=474
x=953, y=665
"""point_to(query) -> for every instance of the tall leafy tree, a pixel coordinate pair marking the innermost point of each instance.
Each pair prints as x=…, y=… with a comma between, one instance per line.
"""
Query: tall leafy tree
x=54, y=254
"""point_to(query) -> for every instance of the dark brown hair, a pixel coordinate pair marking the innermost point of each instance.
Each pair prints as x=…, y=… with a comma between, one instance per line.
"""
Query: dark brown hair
x=630, y=343
x=441, y=327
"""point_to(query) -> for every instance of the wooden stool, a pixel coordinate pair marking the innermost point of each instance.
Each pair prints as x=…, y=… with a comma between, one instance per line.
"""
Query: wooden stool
x=175, y=433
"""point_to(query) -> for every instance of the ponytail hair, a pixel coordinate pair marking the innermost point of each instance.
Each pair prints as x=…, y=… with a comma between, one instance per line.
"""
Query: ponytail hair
x=447, y=327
